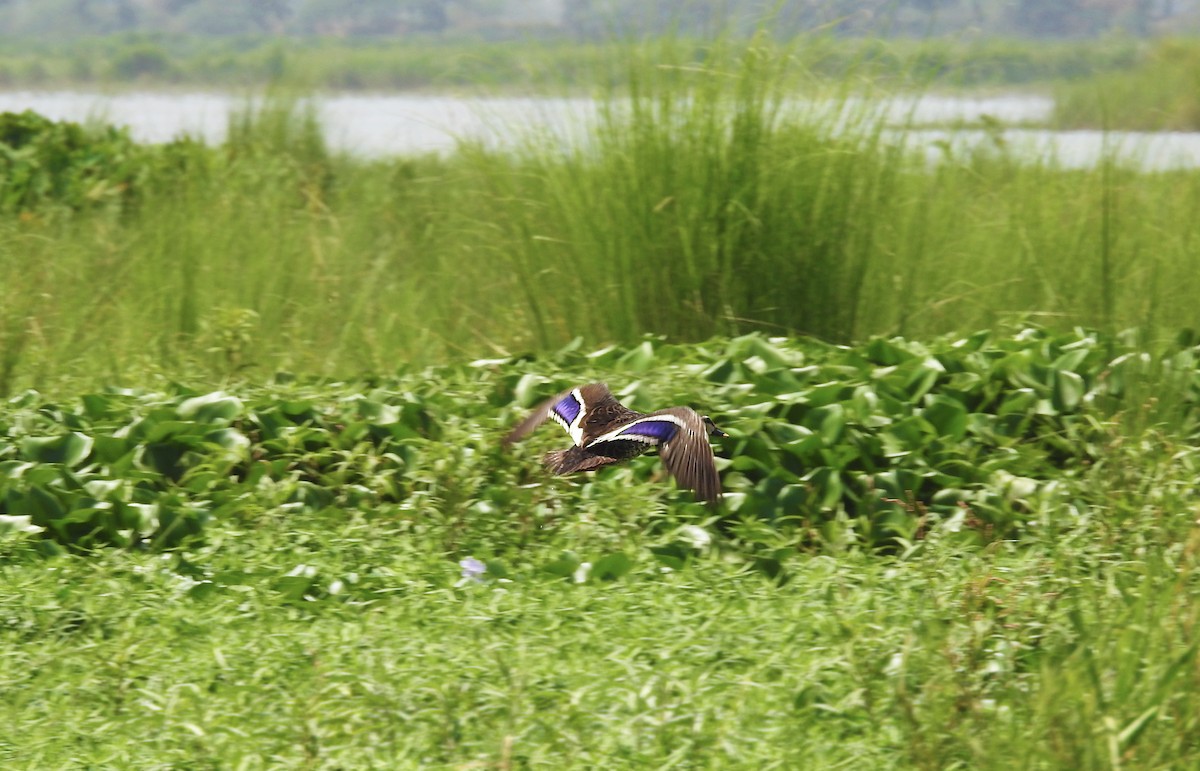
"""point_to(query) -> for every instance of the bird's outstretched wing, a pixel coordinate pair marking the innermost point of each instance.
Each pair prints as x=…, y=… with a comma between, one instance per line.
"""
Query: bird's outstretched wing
x=569, y=409
x=682, y=439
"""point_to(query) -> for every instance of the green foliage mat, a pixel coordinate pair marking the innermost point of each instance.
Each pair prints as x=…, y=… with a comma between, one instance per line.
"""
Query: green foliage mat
x=995, y=432
x=355, y=576
x=49, y=163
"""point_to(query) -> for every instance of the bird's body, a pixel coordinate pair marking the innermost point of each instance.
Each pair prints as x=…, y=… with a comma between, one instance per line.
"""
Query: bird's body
x=604, y=431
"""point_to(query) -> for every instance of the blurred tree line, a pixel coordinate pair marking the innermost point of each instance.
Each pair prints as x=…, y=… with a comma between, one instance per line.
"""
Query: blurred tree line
x=592, y=19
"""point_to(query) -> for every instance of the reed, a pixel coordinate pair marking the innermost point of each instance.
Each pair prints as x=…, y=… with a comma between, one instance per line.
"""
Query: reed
x=704, y=199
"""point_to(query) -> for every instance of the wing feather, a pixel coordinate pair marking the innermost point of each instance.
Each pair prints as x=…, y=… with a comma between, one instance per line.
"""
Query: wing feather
x=580, y=402
x=689, y=457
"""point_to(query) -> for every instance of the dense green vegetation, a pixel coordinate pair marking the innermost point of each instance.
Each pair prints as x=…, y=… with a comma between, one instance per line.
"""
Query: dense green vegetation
x=332, y=63
x=1114, y=83
x=1160, y=92
x=698, y=208
x=1008, y=431
x=1033, y=603
x=255, y=514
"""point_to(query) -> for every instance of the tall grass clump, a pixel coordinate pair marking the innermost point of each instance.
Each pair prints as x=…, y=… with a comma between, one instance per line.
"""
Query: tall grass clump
x=714, y=199
x=269, y=252
x=701, y=201
x=709, y=194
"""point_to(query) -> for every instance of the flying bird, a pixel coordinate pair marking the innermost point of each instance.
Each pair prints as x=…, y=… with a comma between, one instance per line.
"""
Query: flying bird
x=605, y=431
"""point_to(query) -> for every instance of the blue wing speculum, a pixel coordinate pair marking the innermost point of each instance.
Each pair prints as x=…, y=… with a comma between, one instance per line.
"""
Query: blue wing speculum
x=653, y=430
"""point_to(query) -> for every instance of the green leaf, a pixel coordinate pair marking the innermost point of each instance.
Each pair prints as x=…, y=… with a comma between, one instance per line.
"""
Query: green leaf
x=14, y=523
x=923, y=378
x=638, y=359
x=611, y=566
x=1068, y=390
x=673, y=555
x=210, y=408
x=531, y=389
x=948, y=416
x=828, y=422
x=828, y=486
x=564, y=566
x=67, y=449
x=1131, y=732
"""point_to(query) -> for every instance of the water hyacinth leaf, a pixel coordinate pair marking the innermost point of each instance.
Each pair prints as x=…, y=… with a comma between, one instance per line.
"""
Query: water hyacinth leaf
x=721, y=371
x=1071, y=360
x=1018, y=402
x=15, y=469
x=775, y=356
x=948, y=417
x=828, y=422
x=907, y=435
x=1068, y=390
x=376, y=412
x=792, y=498
x=950, y=496
x=96, y=405
x=18, y=523
x=106, y=489
x=44, y=507
x=531, y=389
x=639, y=359
x=673, y=555
x=564, y=566
x=210, y=408
x=297, y=409
x=496, y=568
x=154, y=429
x=611, y=566
x=163, y=458
x=178, y=521
x=140, y=517
x=297, y=582
x=232, y=440
x=828, y=393
x=111, y=449
x=311, y=497
x=771, y=566
x=67, y=449
x=827, y=486
x=886, y=352
x=924, y=376
x=747, y=462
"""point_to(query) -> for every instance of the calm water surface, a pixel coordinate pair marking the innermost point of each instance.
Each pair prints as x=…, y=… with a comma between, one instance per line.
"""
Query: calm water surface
x=380, y=125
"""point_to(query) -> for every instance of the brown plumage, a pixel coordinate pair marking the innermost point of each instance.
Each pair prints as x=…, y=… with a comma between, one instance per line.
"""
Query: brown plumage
x=604, y=431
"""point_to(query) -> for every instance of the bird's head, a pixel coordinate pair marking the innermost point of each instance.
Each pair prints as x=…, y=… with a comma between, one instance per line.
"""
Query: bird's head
x=712, y=427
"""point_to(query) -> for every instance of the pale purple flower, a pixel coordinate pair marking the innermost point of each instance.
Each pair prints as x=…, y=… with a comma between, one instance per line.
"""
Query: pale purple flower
x=472, y=569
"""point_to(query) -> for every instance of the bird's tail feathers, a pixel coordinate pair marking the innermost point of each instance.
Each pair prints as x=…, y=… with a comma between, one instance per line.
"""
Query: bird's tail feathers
x=575, y=459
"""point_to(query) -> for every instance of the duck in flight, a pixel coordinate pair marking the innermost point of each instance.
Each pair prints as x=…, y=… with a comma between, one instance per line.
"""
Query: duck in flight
x=604, y=431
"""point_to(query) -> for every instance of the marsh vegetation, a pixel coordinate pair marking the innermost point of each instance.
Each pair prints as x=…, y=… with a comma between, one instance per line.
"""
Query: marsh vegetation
x=253, y=395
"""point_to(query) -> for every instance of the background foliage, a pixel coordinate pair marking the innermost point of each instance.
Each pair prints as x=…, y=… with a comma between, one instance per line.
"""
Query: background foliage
x=594, y=19
x=255, y=514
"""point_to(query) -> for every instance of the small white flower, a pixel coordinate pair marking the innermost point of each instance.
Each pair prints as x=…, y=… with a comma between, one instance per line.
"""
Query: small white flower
x=696, y=536
x=581, y=572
